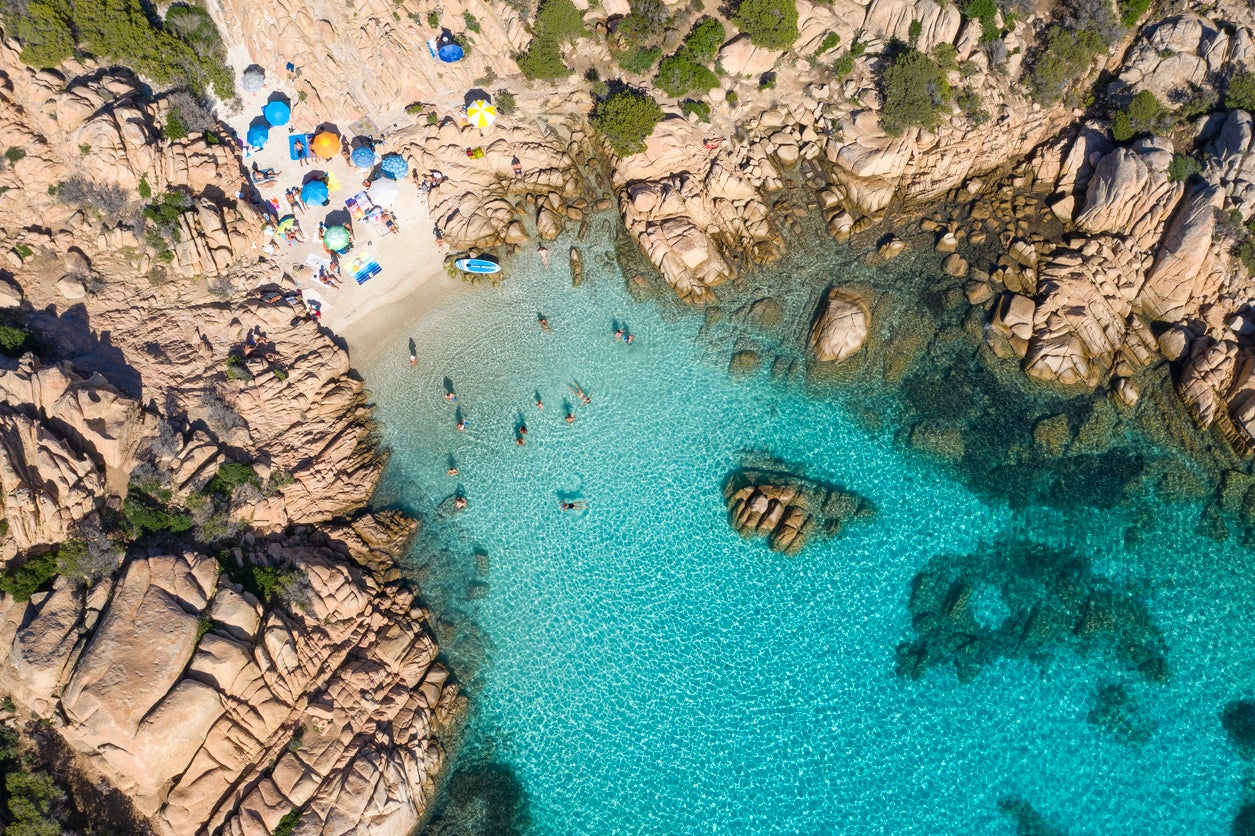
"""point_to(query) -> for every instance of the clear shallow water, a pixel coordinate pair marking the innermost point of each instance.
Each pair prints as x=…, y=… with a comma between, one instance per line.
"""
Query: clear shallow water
x=640, y=668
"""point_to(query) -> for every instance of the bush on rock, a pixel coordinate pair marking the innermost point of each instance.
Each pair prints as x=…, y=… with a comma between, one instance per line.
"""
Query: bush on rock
x=771, y=24
x=625, y=118
x=914, y=90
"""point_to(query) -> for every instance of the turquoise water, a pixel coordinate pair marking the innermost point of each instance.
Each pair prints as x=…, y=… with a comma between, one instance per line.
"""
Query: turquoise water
x=638, y=668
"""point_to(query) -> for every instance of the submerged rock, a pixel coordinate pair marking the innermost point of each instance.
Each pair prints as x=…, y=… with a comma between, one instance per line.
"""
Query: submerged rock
x=789, y=510
x=841, y=326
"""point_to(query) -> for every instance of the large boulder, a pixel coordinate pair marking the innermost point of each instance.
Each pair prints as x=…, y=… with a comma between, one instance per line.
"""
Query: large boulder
x=788, y=510
x=841, y=327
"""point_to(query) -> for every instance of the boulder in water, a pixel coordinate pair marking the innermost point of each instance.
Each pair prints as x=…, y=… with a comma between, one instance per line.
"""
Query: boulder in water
x=841, y=327
x=788, y=510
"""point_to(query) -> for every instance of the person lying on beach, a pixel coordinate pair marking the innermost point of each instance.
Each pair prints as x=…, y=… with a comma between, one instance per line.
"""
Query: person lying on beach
x=298, y=148
x=571, y=506
x=326, y=278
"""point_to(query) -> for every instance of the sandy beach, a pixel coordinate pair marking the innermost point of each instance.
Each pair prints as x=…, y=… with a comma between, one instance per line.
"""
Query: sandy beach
x=411, y=278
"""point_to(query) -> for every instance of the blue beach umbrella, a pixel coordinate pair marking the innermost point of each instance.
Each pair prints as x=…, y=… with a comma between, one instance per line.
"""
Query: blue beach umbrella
x=315, y=191
x=394, y=166
x=450, y=53
x=257, y=135
x=277, y=112
x=363, y=157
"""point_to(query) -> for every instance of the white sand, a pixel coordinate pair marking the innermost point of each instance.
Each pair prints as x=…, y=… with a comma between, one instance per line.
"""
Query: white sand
x=412, y=281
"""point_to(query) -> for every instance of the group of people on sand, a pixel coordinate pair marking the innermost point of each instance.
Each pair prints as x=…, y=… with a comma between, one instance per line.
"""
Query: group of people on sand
x=520, y=428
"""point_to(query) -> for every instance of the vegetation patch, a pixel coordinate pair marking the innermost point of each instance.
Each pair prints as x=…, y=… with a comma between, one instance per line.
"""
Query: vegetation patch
x=1144, y=115
x=914, y=90
x=36, y=573
x=230, y=476
x=150, y=513
x=771, y=24
x=1240, y=91
x=183, y=49
x=15, y=340
x=1070, y=46
x=557, y=22
x=699, y=109
x=686, y=71
x=625, y=118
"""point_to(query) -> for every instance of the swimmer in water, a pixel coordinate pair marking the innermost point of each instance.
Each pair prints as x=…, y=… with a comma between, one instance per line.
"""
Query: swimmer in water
x=459, y=502
x=543, y=252
x=544, y=324
x=462, y=425
x=539, y=403
x=618, y=335
x=629, y=338
x=520, y=440
x=522, y=429
x=571, y=506
x=580, y=393
x=453, y=471
x=570, y=418
x=450, y=397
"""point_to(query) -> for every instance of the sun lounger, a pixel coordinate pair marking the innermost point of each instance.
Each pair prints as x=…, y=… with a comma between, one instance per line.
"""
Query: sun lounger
x=295, y=138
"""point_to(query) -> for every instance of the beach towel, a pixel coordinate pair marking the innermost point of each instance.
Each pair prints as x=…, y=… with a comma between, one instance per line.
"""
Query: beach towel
x=358, y=205
x=431, y=47
x=292, y=140
x=315, y=261
x=364, y=268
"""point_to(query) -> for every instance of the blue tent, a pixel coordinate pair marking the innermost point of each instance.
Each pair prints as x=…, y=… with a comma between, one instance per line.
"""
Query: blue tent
x=257, y=135
x=363, y=156
x=315, y=192
x=450, y=53
x=394, y=166
x=277, y=112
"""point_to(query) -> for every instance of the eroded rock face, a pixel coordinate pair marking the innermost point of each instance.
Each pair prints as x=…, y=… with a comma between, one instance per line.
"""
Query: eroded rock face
x=841, y=327
x=789, y=511
x=342, y=692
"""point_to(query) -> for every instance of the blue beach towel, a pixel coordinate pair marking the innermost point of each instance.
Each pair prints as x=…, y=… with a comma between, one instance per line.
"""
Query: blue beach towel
x=292, y=140
x=367, y=271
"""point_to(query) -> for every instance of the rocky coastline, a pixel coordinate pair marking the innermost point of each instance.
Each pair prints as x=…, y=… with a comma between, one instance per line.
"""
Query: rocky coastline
x=191, y=481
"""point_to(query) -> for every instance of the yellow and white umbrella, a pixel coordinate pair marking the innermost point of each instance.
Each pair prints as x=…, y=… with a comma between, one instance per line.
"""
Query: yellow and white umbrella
x=481, y=113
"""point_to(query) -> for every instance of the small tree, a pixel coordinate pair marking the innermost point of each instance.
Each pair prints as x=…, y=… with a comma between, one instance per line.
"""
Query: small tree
x=625, y=118
x=1143, y=115
x=1239, y=93
x=771, y=24
x=914, y=90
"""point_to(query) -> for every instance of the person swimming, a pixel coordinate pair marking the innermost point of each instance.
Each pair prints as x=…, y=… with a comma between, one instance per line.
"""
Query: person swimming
x=571, y=506
x=618, y=335
x=543, y=252
x=453, y=471
x=459, y=502
x=522, y=429
x=520, y=440
x=539, y=403
x=544, y=324
x=580, y=393
x=450, y=397
x=570, y=418
x=462, y=425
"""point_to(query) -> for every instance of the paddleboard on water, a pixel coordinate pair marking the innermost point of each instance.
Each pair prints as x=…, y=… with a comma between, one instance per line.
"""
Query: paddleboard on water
x=477, y=265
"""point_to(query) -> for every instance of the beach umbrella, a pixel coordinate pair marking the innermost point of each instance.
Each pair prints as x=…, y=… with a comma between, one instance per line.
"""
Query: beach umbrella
x=394, y=166
x=253, y=79
x=326, y=145
x=363, y=157
x=336, y=238
x=277, y=112
x=384, y=192
x=315, y=191
x=257, y=135
x=286, y=223
x=450, y=53
x=481, y=113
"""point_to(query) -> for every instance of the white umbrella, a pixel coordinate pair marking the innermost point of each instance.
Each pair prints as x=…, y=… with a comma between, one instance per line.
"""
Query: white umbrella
x=384, y=192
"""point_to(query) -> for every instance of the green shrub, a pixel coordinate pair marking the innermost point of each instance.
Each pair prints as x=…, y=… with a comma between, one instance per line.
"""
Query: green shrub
x=288, y=823
x=648, y=22
x=946, y=55
x=830, y=42
x=733, y=98
x=36, y=803
x=145, y=514
x=230, y=476
x=771, y=24
x=184, y=49
x=1131, y=11
x=237, y=369
x=164, y=216
x=1239, y=93
x=857, y=48
x=700, y=108
x=557, y=21
x=15, y=154
x=986, y=11
x=175, y=127
x=472, y=24
x=14, y=341
x=914, y=31
x=25, y=579
x=1183, y=167
x=1246, y=254
x=1143, y=115
x=844, y=65
x=4, y=528
x=704, y=39
x=433, y=20
x=145, y=190
x=970, y=103
x=639, y=59
x=679, y=75
x=914, y=91
x=1067, y=54
x=625, y=118
x=505, y=102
